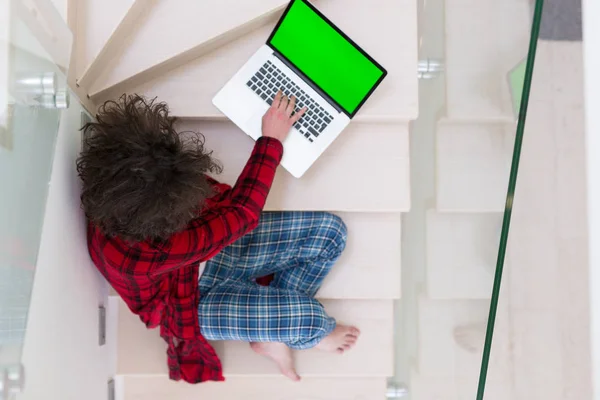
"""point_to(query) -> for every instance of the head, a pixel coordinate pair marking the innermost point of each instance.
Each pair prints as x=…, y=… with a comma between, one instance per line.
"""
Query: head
x=141, y=178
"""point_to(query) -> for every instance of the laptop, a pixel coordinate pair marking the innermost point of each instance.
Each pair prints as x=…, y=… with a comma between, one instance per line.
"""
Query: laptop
x=308, y=57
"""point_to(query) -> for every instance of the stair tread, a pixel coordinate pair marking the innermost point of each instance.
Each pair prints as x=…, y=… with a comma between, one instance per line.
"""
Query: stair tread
x=94, y=28
x=256, y=388
x=113, y=46
x=370, y=266
x=477, y=65
x=193, y=26
x=463, y=388
x=142, y=351
x=189, y=91
x=366, y=169
x=473, y=165
x=439, y=353
x=461, y=254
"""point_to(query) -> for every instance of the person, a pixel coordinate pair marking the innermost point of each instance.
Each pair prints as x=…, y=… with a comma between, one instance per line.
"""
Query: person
x=187, y=253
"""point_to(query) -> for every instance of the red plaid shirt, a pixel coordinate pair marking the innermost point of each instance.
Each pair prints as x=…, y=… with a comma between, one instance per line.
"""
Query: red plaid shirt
x=159, y=282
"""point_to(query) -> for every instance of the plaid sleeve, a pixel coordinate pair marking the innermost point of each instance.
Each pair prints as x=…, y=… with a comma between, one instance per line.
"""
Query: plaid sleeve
x=237, y=212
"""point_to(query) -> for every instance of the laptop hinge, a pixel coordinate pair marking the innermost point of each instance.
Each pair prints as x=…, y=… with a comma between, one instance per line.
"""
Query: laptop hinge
x=308, y=81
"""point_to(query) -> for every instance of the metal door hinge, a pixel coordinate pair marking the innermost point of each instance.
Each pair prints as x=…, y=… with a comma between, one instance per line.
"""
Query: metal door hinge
x=101, y=325
x=111, y=390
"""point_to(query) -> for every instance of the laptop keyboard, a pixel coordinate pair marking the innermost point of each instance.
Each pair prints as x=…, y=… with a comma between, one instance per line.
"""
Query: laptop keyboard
x=269, y=79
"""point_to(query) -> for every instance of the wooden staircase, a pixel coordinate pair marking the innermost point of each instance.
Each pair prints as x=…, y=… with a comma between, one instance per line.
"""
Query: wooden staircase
x=163, y=52
x=183, y=53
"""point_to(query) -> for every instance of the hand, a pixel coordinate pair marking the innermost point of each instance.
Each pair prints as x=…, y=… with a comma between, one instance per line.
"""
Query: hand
x=278, y=120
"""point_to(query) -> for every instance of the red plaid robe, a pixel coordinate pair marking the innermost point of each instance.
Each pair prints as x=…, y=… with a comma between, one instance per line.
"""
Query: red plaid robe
x=159, y=282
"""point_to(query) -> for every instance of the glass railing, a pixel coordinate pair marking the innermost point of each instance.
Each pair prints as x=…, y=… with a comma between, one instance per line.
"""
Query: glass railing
x=481, y=309
x=543, y=306
x=34, y=56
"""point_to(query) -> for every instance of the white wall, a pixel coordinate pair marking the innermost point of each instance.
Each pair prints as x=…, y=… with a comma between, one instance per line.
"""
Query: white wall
x=62, y=358
x=591, y=35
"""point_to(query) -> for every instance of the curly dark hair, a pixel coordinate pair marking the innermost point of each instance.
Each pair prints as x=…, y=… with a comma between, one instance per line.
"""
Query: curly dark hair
x=142, y=180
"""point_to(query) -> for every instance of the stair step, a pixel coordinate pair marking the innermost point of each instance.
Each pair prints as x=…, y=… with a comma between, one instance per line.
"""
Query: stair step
x=144, y=51
x=142, y=351
x=431, y=388
x=473, y=165
x=94, y=26
x=370, y=266
x=446, y=388
x=477, y=64
x=114, y=48
x=461, y=254
x=365, y=170
x=255, y=388
x=190, y=88
x=439, y=353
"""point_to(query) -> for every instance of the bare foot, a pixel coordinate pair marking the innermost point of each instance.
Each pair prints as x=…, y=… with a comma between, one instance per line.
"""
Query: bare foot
x=470, y=337
x=281, y=354
x=342, y=339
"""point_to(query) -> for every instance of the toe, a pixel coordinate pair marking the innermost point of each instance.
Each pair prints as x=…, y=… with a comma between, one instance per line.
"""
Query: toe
x=292, y=375
x=339, y=351
x=354, y=331
x=348, y=346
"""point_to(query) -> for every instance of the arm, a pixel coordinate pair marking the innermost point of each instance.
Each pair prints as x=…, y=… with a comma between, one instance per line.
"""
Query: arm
x=238, y=212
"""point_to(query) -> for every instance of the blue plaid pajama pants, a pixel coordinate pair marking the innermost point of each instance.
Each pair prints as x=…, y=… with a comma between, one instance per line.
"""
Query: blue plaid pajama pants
x=299, y=248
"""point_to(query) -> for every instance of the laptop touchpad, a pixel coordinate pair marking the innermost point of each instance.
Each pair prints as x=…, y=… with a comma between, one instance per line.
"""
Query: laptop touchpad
x=254, y=124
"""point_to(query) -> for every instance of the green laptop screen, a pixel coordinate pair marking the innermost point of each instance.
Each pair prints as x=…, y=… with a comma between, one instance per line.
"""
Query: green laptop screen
x=332, y=62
